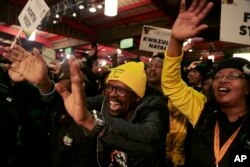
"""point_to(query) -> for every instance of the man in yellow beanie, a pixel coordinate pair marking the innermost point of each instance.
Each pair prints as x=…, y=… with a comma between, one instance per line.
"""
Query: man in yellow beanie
x=135, y=119
x=127, y=73
x=129, y=120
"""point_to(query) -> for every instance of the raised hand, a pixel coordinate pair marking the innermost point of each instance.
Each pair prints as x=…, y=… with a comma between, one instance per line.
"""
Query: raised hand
x=25, y=65
x=187, y=24
x=75, y=102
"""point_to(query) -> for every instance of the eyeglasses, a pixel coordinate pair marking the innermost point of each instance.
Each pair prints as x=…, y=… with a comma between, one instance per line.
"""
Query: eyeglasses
x=118, y=90
x=230, y=77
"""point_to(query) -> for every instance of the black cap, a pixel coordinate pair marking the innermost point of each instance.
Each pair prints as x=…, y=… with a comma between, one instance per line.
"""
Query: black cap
x=235, y=62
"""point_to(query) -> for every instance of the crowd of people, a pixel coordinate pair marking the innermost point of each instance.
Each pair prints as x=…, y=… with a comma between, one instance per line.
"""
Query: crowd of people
x=144, y=116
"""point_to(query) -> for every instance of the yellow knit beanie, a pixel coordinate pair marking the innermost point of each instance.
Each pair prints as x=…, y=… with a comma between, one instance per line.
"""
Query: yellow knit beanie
x=131, y=74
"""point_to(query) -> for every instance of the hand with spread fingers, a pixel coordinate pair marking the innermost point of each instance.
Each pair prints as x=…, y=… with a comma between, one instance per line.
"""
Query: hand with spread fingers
x=187, y=24
x=25, y=65
x=75, y=101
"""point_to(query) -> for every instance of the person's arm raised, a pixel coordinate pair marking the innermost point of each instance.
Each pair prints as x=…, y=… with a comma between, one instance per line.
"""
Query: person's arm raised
x=187, y=24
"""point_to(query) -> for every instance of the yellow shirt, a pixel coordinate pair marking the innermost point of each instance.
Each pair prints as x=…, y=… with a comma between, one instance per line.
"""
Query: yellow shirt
x=176, y=137
x=187, y=100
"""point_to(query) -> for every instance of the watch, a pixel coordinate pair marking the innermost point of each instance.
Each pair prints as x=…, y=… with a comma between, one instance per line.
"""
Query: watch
x=99, y=123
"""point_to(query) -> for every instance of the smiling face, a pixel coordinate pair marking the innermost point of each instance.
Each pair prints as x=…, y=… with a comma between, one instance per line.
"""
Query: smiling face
x=230, y=90
x=120, y=106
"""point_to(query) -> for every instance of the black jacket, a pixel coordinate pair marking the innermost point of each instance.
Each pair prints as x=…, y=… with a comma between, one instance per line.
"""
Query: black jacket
x=33, y=133
x=68, y=146
x=21, y=124
x=143, y=139
x=203, y=138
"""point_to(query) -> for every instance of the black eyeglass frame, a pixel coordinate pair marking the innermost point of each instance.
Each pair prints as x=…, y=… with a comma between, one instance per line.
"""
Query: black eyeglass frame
x=120, y=91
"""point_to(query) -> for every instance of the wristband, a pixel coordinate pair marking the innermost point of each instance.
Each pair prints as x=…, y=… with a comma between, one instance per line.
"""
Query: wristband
x=51, y=92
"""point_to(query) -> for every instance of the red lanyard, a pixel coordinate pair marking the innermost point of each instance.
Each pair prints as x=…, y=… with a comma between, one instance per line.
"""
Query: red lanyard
x=219, y=153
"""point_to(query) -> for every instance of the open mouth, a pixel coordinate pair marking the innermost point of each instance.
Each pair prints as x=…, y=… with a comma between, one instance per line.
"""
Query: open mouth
x=223, y=90
x=114, y=105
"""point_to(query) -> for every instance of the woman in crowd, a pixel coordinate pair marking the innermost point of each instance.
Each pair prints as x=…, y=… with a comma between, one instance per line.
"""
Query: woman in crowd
x=221, y=125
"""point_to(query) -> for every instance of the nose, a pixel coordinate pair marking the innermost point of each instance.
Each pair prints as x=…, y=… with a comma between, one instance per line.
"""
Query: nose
x=223, y=78
x=151, y=68
x=113, y=92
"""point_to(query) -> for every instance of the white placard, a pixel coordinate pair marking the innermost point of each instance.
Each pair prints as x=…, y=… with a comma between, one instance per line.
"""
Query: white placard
x=49, y=55
x=32, y=14
x=154, y=39
x=235, y=21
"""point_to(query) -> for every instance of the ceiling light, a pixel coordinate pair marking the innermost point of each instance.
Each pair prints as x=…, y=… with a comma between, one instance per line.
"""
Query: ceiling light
x=92, y=8
x=54, y=21
x=81, y=7
x=74, y=14
x=57, y=16
x=110, y=8
x=99, y=6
